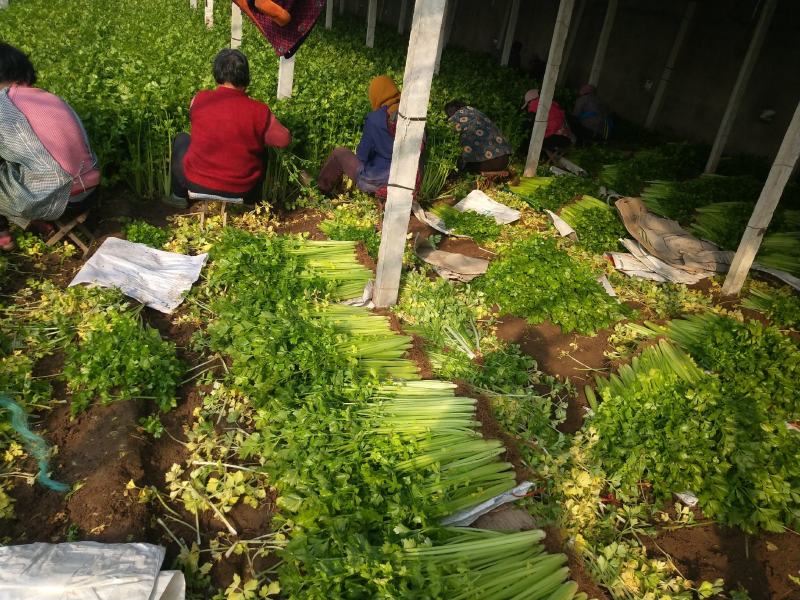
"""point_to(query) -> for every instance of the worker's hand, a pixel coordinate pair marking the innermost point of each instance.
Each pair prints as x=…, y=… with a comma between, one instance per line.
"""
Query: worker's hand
x=274, y=11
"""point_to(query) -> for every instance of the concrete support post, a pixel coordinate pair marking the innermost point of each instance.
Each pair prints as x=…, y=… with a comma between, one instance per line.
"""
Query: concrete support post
x=401, y=20
x=779, y=174
x=602, y=43
x=209, y=14
x=510, y=33
x=560, y=32
x=285, y=78
x=426, y=29
x=372, y=17
x=192, y=3
x=236, y=26
x=501, y=32
x=741, y=84
x=447, y=27
x=655, y=106
x=329, y=15
x=574, y=27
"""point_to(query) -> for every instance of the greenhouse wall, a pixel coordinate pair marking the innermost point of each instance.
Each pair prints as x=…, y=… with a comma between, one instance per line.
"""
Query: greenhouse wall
x=641, y=39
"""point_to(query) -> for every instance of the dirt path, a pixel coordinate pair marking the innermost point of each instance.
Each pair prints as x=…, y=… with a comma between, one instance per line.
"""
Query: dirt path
x=567, y=356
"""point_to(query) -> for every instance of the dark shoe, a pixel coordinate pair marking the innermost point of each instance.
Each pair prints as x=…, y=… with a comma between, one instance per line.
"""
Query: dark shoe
x=42, y=228
x=176, y=201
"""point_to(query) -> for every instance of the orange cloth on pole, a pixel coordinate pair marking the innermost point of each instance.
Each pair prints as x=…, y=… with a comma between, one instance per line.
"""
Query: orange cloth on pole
x=274, y=11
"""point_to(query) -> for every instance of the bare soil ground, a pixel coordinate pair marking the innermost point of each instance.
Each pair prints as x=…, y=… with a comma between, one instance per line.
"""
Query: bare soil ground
x=104, y=448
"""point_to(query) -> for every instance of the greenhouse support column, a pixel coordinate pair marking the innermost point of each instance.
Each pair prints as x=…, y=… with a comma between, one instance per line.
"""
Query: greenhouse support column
x=285, y=78
x=560, y=32
x=447, y=27
x=510, y=33
x=602, y=43
x=575, y=25
x=209, y=14
x=503, y=27
x=329, y=15
x=372, y=17
x=236, y=26
x=739, y=87
x=655, y=106
x=779, y=174
x=401, y=20
x=426, y=29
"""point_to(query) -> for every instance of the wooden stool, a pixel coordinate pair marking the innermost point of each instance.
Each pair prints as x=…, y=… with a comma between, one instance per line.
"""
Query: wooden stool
x=70, y=230
x=206, y=199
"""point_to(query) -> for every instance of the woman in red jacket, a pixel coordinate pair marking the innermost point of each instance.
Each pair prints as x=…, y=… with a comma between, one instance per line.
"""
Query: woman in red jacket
x=226, y=152
x=557, y=134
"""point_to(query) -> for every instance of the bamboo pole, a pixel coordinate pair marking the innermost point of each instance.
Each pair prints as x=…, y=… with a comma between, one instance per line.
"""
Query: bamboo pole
x=510, y=33
x=209, y=13
x=573, y=34
x=655, y=106
x=737, y=93
x=329, y=15
x=785, y=162
x=602, y=42
x=560, y=32
x=426, y=29
x=285, y=78
x=401, y=20
x=236, y=26
x=372, y=17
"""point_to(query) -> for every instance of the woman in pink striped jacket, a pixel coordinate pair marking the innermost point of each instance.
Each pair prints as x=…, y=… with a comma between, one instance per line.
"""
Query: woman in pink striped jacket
x=47, y=168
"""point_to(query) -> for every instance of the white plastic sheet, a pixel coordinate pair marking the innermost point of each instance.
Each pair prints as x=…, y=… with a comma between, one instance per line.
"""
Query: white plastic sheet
x=478, y=202
x=563, y=228
x=155, y=278
x=87, y=571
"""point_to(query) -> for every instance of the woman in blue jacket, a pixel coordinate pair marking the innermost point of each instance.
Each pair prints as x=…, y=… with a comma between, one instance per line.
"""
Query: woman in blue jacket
x=369, y=166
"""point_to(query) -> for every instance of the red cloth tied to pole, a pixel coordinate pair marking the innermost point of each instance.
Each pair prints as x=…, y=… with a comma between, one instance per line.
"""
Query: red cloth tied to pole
x=287, y=39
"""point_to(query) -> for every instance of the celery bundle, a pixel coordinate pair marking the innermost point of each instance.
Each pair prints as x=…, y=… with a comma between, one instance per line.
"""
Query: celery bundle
x=679, y=199
x=528, y=185
x=462, y=468
x=487, y=565
x=552, y=193
x=781, y=305
x=334, y=261
x=596, y=223
x=781, y=251
x=369, y=338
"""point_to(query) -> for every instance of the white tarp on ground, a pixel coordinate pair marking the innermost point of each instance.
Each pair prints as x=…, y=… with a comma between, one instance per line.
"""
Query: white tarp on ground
x=155, y=278
x=564, y=229
x=475, y=201
x=478, y=202
x=87, y=571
